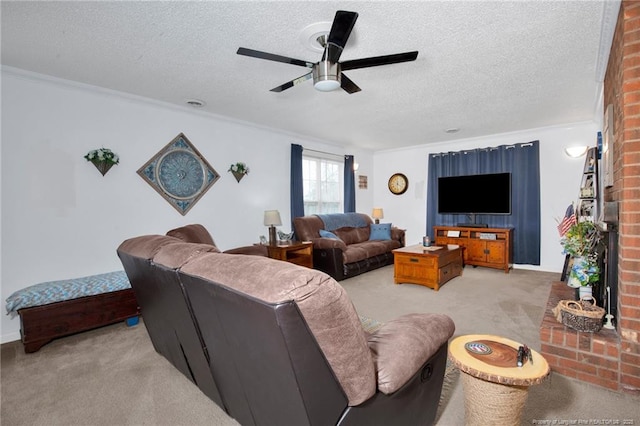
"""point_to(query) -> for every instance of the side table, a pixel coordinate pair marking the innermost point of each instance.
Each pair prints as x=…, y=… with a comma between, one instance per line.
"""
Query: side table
x=300, y=253
x=495, y=388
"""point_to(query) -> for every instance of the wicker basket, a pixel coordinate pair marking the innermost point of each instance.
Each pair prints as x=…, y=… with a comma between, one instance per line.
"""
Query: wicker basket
x=580, y=315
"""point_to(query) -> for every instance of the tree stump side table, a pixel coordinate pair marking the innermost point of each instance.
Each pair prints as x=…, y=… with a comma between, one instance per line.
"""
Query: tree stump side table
x=495, y=388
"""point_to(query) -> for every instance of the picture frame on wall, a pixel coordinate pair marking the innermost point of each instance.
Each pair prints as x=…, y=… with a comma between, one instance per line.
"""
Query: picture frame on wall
x=362, y=182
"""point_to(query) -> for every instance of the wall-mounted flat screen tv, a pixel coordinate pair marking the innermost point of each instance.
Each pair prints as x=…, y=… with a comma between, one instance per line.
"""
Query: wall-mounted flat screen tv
x=475, y=194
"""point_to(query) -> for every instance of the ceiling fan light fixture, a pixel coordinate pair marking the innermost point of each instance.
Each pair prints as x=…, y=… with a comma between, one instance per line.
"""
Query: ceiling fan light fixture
x=326, y=76
x=326, y=85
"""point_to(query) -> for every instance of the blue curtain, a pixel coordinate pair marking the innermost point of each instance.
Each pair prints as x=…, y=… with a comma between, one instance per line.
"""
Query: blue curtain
x=349, y=185
x=297, y=190
x=523, y=162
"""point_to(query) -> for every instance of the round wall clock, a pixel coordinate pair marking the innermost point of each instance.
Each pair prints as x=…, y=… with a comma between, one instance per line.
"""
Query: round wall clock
x=398, y=183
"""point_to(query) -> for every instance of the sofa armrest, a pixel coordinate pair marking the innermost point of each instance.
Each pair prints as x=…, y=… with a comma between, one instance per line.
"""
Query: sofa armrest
x=329, y=261
x=398, y=234
x=401, y=347
x=328, y=243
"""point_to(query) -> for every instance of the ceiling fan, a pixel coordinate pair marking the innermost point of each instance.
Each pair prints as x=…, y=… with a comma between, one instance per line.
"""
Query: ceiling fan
x=327, y=74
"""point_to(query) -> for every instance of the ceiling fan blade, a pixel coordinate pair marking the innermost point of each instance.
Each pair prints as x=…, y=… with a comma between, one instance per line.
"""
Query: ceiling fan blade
x=341, y=28
x=272, y=57
x=290, y=84
x=348, y=85
x=378, y=60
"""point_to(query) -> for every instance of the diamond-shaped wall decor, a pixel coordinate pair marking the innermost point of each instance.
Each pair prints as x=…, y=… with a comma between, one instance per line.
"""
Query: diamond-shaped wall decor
x=179, y=173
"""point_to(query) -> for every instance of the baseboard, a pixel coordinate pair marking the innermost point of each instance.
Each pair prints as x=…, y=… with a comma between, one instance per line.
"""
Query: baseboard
x=10, y=337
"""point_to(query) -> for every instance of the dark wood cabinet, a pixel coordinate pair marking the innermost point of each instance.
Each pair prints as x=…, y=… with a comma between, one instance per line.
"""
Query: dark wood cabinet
x=490, y=247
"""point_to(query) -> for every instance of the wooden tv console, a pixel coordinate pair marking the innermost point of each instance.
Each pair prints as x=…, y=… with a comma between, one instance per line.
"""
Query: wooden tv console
x=490, y=247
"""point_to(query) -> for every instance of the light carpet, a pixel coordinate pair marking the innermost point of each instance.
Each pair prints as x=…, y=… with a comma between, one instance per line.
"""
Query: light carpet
x=112, y=376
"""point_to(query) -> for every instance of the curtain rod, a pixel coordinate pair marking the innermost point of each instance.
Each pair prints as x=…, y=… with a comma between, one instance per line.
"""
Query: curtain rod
x=323, y=152
x=489, y=148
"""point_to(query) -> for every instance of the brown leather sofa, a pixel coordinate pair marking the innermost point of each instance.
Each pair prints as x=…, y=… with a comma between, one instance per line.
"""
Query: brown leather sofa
x=353, y=252
x=274, y=343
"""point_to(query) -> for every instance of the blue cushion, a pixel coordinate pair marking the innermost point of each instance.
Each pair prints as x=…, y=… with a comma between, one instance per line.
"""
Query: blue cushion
x=327, y=234
x=380, y=231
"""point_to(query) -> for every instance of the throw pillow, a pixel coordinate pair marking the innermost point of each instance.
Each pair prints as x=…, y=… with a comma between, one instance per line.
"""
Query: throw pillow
x=327, y=234
x=380, y=231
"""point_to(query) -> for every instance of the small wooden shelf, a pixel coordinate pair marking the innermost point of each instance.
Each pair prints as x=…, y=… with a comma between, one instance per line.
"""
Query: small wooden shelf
x=589, y=191
x=490, y=247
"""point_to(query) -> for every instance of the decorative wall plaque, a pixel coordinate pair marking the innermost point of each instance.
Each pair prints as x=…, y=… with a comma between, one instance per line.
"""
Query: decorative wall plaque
x=179, y=173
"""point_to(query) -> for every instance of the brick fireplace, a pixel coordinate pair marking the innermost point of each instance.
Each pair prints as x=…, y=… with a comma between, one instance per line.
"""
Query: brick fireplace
x=611, y=358
x=589, y=357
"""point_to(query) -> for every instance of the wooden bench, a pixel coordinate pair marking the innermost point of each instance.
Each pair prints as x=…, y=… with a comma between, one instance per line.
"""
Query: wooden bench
x=61, y=308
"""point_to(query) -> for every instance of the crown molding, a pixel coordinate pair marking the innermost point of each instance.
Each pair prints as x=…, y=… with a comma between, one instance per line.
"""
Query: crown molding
x=610, y=11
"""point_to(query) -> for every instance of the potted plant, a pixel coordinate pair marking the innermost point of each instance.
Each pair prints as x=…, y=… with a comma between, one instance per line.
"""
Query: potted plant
x=238, y=170
x=580, y=242
x=103, y=159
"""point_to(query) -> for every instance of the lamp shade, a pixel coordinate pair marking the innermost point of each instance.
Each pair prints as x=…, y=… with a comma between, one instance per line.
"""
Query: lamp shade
x=272, y=218
x=377, y=213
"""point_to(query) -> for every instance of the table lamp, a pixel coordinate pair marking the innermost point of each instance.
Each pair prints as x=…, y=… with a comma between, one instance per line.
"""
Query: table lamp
x=272, y=219
x=377, y=214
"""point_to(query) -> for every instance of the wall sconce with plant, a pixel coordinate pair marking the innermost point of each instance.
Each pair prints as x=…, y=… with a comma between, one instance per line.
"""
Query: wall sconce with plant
x=103, y=159
x=239, y=170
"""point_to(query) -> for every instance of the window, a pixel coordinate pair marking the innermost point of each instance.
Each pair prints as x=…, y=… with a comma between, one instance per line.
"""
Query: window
x=322, y=183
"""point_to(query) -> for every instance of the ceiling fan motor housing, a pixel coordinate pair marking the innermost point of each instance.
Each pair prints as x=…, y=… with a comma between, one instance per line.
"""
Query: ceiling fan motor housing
x=326, y=76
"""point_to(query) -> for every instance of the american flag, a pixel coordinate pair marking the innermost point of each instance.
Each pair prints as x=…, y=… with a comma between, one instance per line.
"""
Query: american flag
x=568, y=220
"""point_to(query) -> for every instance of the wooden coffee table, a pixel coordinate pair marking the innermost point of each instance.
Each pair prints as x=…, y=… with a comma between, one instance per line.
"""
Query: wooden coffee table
x=495, y=388
x=428, y=266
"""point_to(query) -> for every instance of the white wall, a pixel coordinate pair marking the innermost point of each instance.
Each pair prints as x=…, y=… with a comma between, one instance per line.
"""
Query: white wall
x=62, y=219
x=559, y=181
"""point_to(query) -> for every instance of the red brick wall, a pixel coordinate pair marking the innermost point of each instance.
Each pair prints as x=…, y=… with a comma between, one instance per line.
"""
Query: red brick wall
x=622, y=89
x=608, y=358
x=589, y=357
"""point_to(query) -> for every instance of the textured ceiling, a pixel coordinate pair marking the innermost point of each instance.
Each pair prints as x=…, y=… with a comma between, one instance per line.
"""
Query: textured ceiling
x=483, y=67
